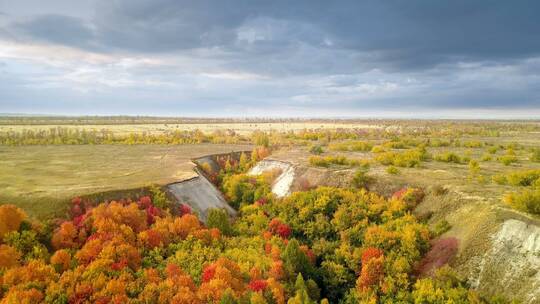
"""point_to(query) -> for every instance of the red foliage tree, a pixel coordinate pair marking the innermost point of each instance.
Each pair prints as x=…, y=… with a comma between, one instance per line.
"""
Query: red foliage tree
x=411, y=196
x=372, y=268
x=209, y=272
x=372, y=272
x=152, y=238
x=221, y=275
x=173, y=270
x=61, y=259
x=145, y=202
x=65, y=236
x=185, y=209
x=370, y=253
x=261, y=201
x=309, y=253
x=258, y=285
x=123, y=263
x=441, y=252
x=277, y=227
x=151, y=214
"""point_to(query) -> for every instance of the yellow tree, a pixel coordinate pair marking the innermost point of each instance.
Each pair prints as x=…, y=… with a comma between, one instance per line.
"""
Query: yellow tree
x=11, y=218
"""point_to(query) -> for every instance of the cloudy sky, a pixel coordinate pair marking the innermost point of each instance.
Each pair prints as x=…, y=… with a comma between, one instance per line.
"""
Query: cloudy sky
x=354, y=58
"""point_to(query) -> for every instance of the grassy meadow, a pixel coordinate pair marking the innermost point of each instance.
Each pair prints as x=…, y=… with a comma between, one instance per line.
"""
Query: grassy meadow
x=40, y=179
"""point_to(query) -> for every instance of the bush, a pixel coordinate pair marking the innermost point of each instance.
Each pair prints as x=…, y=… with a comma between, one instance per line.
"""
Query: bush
x=492, y=150
x=351, y=146
x=535, y=156
x=219, y=218
x=499, y=179
x=507, y=160
x=378, y=149
x=411, y=196
x=443, y=286
x=527, y=200
x=11, y=219
x=316, y=149
x=474, y=168
x=392, y=170
x=260, y=139
x=442, y=251
x=438, y=190
x=518, y=178
x=319, y=161
x=395, y=145
x=159, y=197
x=360, y=146
x=441, y=227
x=361, y=179
x=438, y=143
x=243, y=189
x=449, y=157
x=9, y=257
x=27, y=243
x=486, y=157
x=409, y=158
x=327, y=161
x=473, y=144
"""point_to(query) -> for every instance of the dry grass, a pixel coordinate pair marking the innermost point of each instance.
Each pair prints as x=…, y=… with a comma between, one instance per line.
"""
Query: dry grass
x=41, y=179
x=151, y=128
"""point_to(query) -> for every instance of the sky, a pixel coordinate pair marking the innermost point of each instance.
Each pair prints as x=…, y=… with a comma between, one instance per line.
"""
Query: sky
x=252, y=58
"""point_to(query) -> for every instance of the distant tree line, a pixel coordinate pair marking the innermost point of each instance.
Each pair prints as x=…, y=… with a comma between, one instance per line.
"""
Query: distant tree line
x=70, y=136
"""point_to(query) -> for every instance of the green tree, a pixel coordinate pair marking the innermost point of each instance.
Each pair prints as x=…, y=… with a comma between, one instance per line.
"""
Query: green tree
x=219, y=218
x=301, y=292
x=159, y=197
x=296, y=261
x=26, y=242
x=228, y=298
x=243, y=163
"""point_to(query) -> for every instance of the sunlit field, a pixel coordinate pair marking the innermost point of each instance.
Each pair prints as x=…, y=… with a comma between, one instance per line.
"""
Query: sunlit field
x=42, y=179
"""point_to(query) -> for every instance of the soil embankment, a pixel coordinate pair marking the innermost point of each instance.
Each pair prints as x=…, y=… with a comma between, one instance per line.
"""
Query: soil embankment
x=294, y=177
x=198, y=192
x=511, y=265
x=201, y=195
x=283, y=183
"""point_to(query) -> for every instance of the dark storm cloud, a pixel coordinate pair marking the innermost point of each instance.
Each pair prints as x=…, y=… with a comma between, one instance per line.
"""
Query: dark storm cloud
x=160, y=26
x=56, y=29
x=327, y=54
x=404, y=34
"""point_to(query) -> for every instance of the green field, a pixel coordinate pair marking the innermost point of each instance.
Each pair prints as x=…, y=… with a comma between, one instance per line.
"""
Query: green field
x=40, y=179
